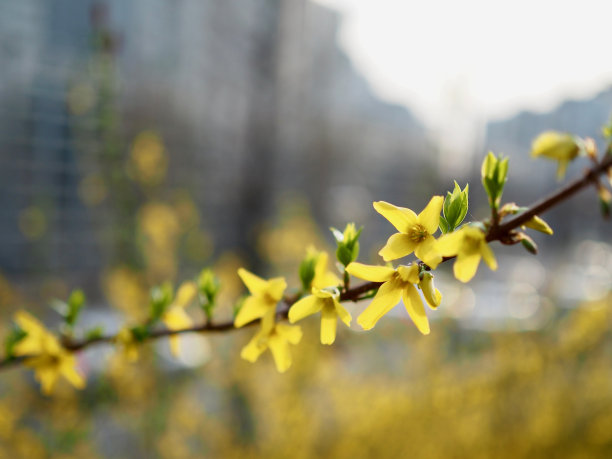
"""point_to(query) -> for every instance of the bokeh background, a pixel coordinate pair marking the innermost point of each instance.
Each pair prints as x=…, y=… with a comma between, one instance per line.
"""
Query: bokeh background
x=142, y=141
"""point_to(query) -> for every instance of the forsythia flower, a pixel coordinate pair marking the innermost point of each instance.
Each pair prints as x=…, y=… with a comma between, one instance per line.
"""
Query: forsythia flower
x=322, y=277
x=175, y=317
x=265, y=294
x=128, y=343
x=469, y=244
x=331, y=310
x=399, y=284
x=275, y=337
x=557, y=146
x=50, y=360
x=415, y=231
x=322, y=300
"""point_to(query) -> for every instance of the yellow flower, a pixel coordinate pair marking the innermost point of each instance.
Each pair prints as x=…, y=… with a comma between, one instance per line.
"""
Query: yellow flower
x=470, y=245
x=415, y=231
x=331, y=310
x=399, y=284
x=129, y=345
x=557, y=146
x=50, y=359
x=322, y=277
x=265, y=294
x=175, y=317
x=275, y=337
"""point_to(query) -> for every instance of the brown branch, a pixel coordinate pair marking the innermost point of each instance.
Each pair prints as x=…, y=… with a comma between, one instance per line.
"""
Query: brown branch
x=591, y=176
x=496, y=232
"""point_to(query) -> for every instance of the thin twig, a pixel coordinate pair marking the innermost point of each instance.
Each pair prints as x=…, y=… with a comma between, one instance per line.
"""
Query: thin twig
x=496, y=232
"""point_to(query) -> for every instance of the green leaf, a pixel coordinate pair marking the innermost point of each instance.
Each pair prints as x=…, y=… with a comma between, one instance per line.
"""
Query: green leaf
x=15, y=335
x=443, y=225
x=344, y=254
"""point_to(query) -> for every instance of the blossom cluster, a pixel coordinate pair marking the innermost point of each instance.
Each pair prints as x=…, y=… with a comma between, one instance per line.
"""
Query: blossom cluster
x=322, y=290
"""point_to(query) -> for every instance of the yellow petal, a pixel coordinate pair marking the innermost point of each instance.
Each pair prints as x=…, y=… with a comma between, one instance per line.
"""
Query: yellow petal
x=323, y=294
x=253, y=308
x=400, y=217
x=255, y=284
x=343, y=314
x=450, y=244
x=293, y=334
x=414, y=306
x=29, y=323
x=488, y=256
x=329, y=322
x=254, y=348
x=322, y=277
x=370, y=273
x=280, y=351
x=305, y=307
x=47, y=376
x=427, y=251
x=185, y=294
x=176, y=318
x=465, y=266
x=430, y=217
x=409, y=273
x=388, y=296
x=276, y=287
x=399, y=245
x=69, y=372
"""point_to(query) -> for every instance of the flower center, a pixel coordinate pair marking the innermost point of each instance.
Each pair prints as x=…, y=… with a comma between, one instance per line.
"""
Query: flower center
x=417, y=233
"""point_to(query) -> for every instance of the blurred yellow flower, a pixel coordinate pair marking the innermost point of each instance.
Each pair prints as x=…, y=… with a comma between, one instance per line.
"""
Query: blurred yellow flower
x=415, y=231
x=265, y=294
x=277, y=338
x=557, y=146
x=331, y=310
x=398, y=284
x=128, y=343
x=49, y=359
x=175, y=317
x=469, y=245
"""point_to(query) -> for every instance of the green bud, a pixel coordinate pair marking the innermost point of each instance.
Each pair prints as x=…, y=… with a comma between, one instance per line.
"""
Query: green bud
x=161, y=297
x=347, y=243
x=494, y=172
x=536, y=223
x=208, y=285
x=307, y=269
x=94, y=333
x=528, y=243
x=76, y=300
x=454, y=209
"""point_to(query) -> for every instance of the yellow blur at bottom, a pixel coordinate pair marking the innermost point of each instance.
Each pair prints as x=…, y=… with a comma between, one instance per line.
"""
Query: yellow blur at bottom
x=390, y=392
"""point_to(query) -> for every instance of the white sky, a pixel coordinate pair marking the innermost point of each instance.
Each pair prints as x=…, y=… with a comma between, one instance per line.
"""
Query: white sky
x=479, y=59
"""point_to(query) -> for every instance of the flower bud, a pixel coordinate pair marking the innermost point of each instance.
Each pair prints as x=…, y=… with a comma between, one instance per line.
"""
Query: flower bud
x=430, y=292
x=536, y=223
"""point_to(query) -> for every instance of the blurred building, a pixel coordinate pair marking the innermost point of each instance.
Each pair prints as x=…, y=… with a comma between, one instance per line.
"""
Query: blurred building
x=251, y=101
